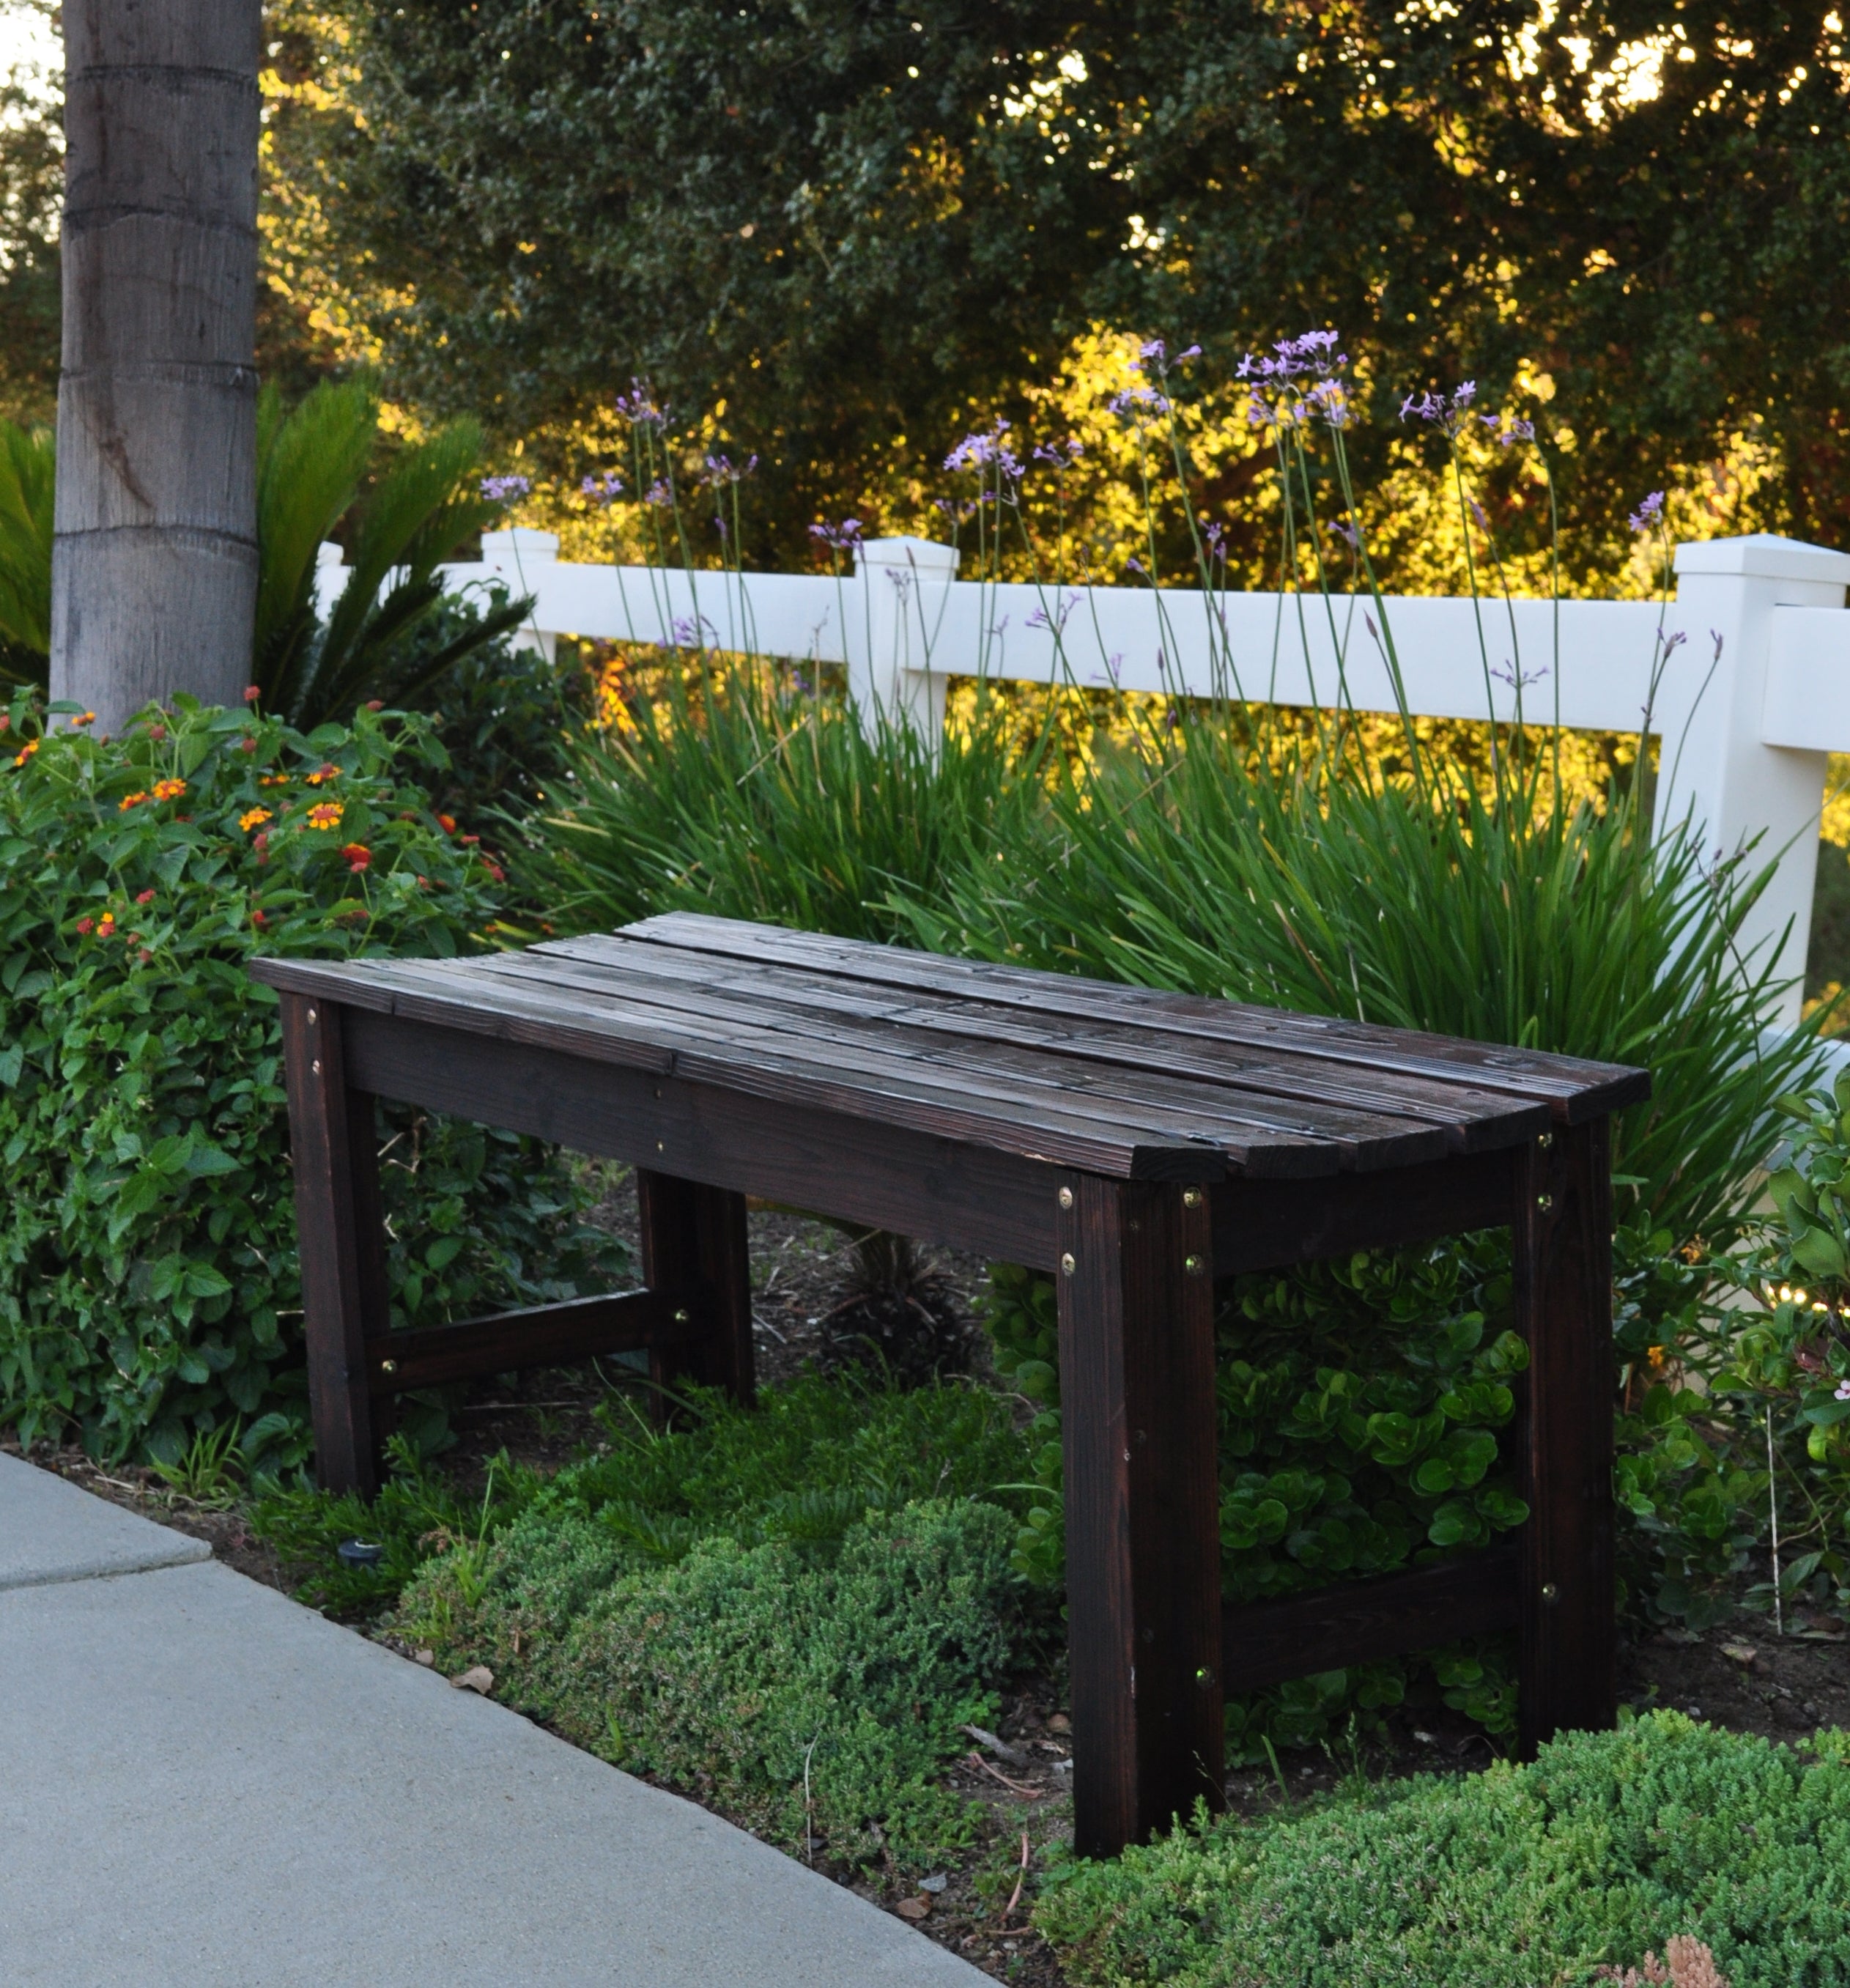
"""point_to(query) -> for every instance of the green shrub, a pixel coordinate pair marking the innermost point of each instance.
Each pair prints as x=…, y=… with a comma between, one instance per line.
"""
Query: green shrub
x=1531, y=1877
x=148, y=1277
x=1363, y=1403
x=742, y=1671
x=825, y=1578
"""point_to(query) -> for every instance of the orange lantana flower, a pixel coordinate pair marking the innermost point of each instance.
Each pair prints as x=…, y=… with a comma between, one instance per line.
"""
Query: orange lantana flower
x=324, y=814
x=252, y=818
x=169, y=790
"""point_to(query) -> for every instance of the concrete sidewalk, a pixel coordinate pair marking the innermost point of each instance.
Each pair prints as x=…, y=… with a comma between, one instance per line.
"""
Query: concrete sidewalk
x=203, y=1783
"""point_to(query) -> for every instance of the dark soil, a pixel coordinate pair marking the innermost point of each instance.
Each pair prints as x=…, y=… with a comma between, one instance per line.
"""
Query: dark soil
x=813, y=1306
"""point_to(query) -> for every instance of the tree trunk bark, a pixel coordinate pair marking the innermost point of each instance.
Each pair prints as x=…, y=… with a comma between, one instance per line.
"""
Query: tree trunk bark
x=154, y=556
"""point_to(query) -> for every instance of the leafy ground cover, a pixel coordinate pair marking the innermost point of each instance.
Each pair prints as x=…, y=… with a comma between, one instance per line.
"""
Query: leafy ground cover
x=1603, y=1848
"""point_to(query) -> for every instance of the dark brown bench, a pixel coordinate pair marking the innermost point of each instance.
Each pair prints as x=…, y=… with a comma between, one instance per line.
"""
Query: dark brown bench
x=1134, y=1144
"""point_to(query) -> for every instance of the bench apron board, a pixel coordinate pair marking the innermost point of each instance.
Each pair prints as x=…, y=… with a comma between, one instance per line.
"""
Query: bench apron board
x=1134, y=1144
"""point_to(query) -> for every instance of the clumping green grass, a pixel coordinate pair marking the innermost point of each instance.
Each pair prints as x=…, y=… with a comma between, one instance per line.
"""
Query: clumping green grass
x=1530, y=1877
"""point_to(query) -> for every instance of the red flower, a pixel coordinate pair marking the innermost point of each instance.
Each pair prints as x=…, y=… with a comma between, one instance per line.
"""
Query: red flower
x=144, y=956
x=157, y=732
x=146, y=897
x=247, y=745
x=494, y=869
x=448, y=824
x=358, y=855
x=375, y=704
x=87, y=926
x=259, y=920
x=469, y=841
x=252, y=694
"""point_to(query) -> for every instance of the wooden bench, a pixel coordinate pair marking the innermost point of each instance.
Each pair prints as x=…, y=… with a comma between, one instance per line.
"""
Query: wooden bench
x=1135, y=1145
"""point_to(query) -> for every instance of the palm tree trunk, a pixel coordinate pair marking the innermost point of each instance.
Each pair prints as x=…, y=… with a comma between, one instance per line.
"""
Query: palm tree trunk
x=154, y=559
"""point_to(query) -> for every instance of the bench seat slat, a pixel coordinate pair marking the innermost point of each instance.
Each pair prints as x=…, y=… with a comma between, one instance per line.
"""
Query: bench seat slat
x=1577, y=1090
x=1473, y=1118
x=1000, y=1070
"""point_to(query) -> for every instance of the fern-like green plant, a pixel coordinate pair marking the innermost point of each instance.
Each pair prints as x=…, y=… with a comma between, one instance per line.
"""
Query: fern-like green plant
x=310, y=462
x=28, y=458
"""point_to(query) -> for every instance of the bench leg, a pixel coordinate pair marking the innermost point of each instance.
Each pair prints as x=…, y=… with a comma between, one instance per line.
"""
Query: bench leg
x=345, y=1303
x=1143, y=1506
x=1563, y=1217
x=694, y=1247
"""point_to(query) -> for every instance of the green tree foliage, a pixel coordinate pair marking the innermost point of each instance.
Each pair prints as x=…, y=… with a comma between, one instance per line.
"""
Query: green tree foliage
x=845, y=224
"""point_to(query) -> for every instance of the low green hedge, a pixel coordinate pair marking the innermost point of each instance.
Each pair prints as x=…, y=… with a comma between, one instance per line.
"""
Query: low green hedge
x=148, y=1278
x=1531, y=1877
x=802, y=1604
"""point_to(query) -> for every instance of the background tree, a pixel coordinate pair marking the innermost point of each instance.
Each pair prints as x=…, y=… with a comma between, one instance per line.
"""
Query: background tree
x=852, y=226
x=154, y=564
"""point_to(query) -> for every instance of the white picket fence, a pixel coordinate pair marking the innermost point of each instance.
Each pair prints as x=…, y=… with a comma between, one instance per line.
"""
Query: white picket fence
x=1753, y=694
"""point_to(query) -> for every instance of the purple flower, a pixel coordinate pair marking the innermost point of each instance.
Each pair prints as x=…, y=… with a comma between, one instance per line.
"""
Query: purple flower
x=604, y=489
x=841, y=538
x=1138, y=402
x=1446, y=412
x=1649, y=514
x=720, y=470
x=1507, y=428
x=1039, y=617
x=1346, y=532
x=639, y=406
x=1060, y=455
x=659, y=492
x=505, y=490
x=1519, y=681
x=1843, y=1392
x=977, y=450
x=1477, y=512
x=691, y=630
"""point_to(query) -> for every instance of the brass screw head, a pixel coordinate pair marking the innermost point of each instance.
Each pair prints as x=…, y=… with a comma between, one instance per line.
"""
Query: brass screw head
x=311, y=1014
x=660, y=1147
x=1193, y=1265
x=1546, y=1141
x=316, y=1066
x=1190, y=1197
x=1068, y=1264
x=1550, y=1591
x=680, y=1318
x=1544, y=1202
x=1066, y=1197
x=388, y=1366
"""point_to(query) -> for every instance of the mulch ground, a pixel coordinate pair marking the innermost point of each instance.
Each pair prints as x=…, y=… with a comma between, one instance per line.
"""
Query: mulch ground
x=809, y=1310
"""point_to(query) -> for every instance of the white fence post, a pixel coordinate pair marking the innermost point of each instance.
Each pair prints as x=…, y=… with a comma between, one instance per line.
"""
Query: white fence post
x=1715, y=765
x=907, y=583
x=515, y=557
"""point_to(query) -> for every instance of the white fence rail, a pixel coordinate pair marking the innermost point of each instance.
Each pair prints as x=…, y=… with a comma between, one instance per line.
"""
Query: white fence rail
x=1750, y=700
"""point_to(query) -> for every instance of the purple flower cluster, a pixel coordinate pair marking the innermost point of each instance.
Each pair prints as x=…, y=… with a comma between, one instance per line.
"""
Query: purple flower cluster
x=842, y=537
x=660, y=492
x=604, y=489
x=719, y=470
x=505, y=490
x=1059, y=454
x=1507, y=428
x=1298, y=382
x=1139, y=403
x=1649, y=515
x=640, y=407
x=981, y=449
x=1447, y=412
